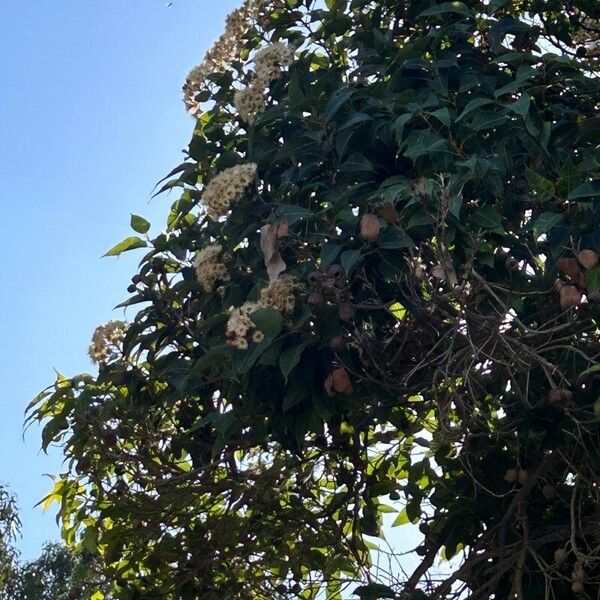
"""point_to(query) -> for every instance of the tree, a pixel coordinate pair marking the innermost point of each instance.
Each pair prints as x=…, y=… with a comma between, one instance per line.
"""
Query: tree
x=9, y=529
x=377, y=291
x=57, y=574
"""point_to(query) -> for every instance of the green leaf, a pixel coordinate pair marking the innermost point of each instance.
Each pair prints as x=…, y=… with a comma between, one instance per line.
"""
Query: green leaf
x=350, y=259
x=524, y=73
x=487, y=119
x=354, y=120
x=472, y=106
x=593, y=369
x=448, y=7
x=593, y=279
x=597, y=409
x=397, y=310
x=293, y=213
x=373, y=591
x=401, y=519
x=295, y=394
x=543, y=188
x=521, y=106
x=289, y=358
x=268, y=320
x=425, y=142
x=329, y=253
x=139, y=224
x=129, y=243
x=399, y=124
x=545, y=222
x=442, y=115
x=487, y=217
x=413, y=510
x=393, y=239
x=591, y=159
x=586, y=190
x=337, y=101
x=357, y=162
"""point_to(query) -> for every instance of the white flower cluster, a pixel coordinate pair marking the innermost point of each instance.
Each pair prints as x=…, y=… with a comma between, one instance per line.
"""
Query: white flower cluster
x=269, y=62
x=105, y=340
x=209, y=268
x=227, y=188
x=240, y=327
x=227, y=48
x=279, y=295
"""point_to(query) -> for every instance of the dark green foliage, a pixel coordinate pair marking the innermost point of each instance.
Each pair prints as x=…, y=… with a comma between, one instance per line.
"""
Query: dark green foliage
x=430, y=169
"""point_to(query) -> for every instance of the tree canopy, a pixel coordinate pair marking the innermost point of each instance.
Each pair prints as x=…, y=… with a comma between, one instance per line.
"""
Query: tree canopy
x=377, y=293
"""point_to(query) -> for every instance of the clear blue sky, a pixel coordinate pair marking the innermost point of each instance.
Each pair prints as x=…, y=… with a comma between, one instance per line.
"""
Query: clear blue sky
x=90, y=118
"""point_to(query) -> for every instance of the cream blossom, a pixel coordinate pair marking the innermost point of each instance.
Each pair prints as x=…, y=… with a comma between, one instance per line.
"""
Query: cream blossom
x=209, y=268
x=105, y=341
x=227, y=187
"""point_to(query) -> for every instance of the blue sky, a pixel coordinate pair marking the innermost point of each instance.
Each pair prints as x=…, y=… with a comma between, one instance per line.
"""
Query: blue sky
x=90, y=118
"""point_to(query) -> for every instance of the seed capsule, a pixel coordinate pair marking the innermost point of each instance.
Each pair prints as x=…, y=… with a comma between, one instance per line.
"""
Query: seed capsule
x=569, y=296
x=588, y=258
x=569, y=266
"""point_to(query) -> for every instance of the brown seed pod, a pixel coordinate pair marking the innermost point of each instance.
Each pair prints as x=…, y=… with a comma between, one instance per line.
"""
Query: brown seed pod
x=578, y=574
x=560, y=556
x=338, y=381
x=569, y=296
x=558, y=284
x=346, y=312
x=569, y=266
x=522, y=476
x=370, y=227
x=577, y=587
x=337, y=342
x=389, y=213
x=582, y=281
x=549, y=491
x=282, y=228
x=336, y=271
x=314, y=277
x=315, y=299
x=588, y=258
x=560, y=397
x=510, y=476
